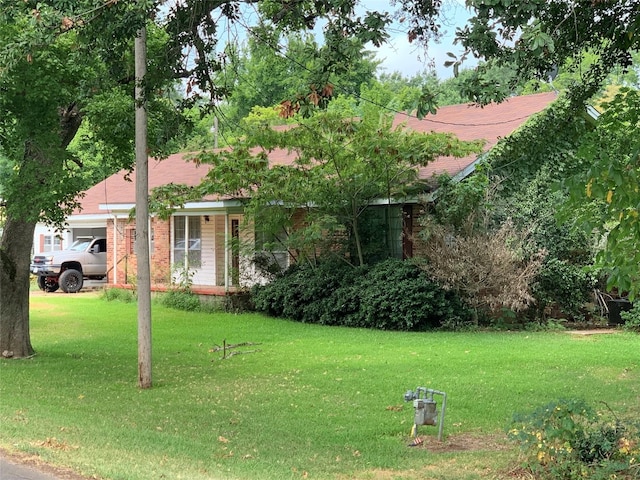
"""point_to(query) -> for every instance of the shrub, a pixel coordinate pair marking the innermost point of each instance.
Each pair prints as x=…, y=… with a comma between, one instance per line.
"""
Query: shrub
x=632, y=318
x=181, y=300
x=488, y=268
x=563, y=284
x=232, y=302
x=567, y=439
x=399, y=296
x=292, y=294
x=119, y=295
x=391, y=295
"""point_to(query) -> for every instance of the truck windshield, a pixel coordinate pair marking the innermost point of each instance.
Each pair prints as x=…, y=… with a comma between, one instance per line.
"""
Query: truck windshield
x=80, y=245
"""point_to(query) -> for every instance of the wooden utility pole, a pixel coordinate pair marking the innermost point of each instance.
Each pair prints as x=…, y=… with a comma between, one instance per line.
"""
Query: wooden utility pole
x=142, y=215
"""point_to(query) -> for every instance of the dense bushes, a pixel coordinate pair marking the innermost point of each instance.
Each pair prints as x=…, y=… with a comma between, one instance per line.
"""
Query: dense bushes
x=568, y=440
x=632, y=318
x=391, y=295
x=564, y=284
x=181, y=300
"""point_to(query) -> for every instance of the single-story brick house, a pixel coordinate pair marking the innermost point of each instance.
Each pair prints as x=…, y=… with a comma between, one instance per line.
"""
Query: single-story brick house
x=203, y=230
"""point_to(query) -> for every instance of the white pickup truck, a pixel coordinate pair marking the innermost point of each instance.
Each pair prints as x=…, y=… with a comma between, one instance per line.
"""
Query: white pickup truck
x=67, y=269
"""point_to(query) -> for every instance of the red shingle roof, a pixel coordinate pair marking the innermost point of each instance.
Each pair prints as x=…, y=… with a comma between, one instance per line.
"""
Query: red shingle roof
x=467, y=122
x=470, y=122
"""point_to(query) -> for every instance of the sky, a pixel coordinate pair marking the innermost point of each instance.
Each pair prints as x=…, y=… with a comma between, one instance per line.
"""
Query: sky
x=401, y=56
x=397, y=54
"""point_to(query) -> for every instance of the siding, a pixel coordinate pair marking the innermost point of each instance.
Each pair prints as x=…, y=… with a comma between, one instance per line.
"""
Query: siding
x=206, y=274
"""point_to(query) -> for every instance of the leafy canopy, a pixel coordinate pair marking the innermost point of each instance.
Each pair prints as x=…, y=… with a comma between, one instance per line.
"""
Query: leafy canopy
x=538, y=37
x=605, y=197
x=331, y=167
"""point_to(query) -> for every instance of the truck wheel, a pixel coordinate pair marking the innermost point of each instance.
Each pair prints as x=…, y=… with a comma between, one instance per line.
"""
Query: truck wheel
x=47, y=284
x=70, y=281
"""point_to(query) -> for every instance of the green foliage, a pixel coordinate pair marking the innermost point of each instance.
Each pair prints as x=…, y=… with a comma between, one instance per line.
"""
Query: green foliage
x=609, y=189
x=181, y=300
x=533, y=202
x=339, y=166
x=527, y=169
x=564, y=284
x=397, y=295
x=182, y=277
x=518, y=182
x=568, y=440
x=547, y=40
x=265, y=72
x=548, y=139
x=29, y=156
x=181, y=297
x=119, y=295
x=391, y=295
x=457, y=201
x=291, y=294
x=631, y=318
x=66, y=85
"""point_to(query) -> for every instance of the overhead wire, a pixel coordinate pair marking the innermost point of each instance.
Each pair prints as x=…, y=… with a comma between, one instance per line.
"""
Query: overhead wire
x=281, y=51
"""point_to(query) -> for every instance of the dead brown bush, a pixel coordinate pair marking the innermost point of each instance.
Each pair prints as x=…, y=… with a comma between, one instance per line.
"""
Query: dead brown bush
x=489, y=268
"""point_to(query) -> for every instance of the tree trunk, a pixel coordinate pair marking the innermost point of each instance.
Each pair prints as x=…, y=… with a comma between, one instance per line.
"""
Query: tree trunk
x=15, y=256
x=17, y=238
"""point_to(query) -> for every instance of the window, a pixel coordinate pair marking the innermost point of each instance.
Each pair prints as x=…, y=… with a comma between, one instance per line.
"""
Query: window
x=102, y=245
x=51, y=243
x=381, y=233
x=271, y=252
x=187, y=241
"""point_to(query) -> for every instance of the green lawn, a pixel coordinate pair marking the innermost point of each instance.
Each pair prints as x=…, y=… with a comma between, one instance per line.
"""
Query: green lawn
x=311, y=402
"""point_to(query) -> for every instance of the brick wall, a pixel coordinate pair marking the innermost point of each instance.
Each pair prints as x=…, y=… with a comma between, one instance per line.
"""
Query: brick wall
x=417, y=244
x=161, y=255
x=127, y=263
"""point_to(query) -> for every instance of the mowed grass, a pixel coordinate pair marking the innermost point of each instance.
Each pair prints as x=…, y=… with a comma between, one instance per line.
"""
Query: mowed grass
x=304, y=401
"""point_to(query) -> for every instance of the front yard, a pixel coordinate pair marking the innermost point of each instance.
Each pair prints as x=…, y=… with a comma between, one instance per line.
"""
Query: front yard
x=291, y=400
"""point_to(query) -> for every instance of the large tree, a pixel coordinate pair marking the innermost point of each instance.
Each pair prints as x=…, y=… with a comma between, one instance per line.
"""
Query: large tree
x=538, y=37
x=604, y=196
x=266, y=71
x=59, y=76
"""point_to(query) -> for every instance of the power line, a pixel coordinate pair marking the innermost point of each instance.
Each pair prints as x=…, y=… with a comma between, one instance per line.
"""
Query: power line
x=281, y=50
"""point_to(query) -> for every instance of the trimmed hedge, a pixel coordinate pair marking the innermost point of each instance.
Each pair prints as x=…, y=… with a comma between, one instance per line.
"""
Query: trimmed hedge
x=391, y=295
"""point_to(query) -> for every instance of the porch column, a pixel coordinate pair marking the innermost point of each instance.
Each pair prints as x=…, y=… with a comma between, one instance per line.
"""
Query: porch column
x=226, y=252
x=115, y=251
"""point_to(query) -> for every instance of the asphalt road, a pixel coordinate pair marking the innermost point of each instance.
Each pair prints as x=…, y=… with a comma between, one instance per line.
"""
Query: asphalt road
x=14, y=471
x=23, y=467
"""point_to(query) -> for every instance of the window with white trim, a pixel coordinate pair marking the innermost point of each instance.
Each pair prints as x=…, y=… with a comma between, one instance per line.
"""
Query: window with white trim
x=51, y=243
x=187, y=241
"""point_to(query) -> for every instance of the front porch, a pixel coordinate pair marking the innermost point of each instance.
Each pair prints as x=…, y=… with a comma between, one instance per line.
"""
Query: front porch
x=197, y=247
x=204, y=290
